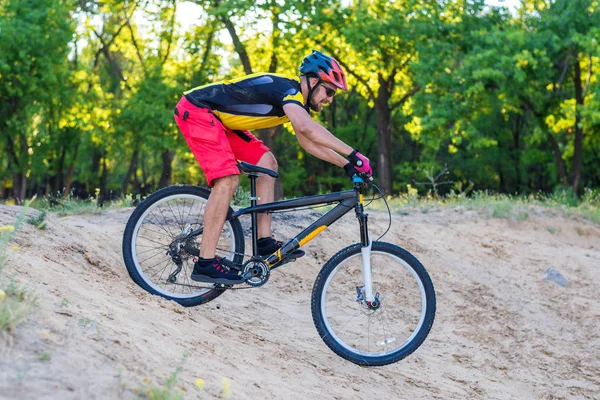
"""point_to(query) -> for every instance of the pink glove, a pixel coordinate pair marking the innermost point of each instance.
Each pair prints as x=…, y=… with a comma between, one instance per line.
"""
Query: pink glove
x=360, y=162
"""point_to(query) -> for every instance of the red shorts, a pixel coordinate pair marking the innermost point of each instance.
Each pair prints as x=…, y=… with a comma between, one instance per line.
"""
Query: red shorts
x=216, y=147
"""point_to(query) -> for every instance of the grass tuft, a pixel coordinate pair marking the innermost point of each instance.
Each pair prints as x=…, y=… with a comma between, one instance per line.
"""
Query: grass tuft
x=39, y=220
x=169, y=390
x=519, y=207
x=16, y=302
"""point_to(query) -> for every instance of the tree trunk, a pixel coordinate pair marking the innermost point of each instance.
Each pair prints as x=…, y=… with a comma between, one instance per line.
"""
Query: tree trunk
x=96, y=171
x=560, y=164
x=59, y=182
x=237, y=44
x=69, y=177
x=516, y=150
x=3, y=187
x=19, y=186
x=144, y=185
x=103, y=179
x=20, y=177
x=130, y=171
x=167, y=163
x=384, y=159
x=578, y=146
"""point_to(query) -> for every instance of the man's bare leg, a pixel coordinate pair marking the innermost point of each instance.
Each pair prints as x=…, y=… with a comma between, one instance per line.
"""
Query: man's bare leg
x=265, y=189
x=216, y=213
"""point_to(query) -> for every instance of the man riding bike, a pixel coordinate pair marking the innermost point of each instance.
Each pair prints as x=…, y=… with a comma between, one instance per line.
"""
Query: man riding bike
x=214, y=120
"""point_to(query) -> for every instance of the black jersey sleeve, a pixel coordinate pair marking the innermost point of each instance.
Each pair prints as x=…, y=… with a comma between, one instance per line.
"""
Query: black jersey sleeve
x=289, y=92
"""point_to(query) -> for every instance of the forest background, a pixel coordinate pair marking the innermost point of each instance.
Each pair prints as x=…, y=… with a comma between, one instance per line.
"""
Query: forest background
x=480, y=96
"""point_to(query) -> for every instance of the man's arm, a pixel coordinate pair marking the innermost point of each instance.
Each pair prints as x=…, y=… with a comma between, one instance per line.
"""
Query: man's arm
x=322, y=152
x=306, y=127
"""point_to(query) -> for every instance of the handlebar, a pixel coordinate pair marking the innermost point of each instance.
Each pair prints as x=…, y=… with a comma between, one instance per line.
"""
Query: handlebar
x=361, y=178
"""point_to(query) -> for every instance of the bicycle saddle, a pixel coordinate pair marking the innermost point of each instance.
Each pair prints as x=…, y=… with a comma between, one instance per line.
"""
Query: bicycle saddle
x=253, y=169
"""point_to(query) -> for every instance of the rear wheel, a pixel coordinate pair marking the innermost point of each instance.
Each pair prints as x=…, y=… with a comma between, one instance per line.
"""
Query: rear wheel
x=155, y=238
x=388, y=329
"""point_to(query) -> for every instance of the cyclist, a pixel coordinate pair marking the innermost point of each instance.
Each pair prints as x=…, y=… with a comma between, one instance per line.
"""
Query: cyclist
x=214, y=120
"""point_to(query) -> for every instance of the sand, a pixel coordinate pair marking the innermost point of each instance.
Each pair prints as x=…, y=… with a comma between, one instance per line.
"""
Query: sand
x=501, y=331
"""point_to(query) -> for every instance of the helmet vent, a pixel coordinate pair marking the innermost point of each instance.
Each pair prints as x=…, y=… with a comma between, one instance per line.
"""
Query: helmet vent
x=336, y=76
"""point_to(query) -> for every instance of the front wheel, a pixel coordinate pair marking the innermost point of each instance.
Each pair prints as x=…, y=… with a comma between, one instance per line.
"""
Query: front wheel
x=386, y=330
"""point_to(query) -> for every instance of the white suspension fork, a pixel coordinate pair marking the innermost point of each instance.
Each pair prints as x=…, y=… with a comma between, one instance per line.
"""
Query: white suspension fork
x=366, y=271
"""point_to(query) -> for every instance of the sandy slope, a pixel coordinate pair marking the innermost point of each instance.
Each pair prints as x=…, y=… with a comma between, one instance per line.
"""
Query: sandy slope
x=501, y=330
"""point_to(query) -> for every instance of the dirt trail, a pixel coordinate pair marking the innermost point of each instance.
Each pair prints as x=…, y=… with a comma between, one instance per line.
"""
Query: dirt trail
x=501, y=330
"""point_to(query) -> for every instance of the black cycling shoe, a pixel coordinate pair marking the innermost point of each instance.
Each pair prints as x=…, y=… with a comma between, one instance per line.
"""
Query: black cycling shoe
x=268, y=246
x=216, y=272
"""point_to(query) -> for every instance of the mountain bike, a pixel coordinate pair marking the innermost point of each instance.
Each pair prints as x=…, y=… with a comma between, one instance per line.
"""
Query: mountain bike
x=373, y=303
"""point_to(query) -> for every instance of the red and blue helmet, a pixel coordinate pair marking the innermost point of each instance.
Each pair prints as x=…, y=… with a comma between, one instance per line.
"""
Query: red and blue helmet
x=325, y=68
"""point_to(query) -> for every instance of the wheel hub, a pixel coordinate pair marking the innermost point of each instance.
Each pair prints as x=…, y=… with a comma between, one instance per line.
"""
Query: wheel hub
x=360, y=298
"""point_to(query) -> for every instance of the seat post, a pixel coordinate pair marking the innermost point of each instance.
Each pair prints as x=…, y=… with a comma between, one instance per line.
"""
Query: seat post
x=253, y=202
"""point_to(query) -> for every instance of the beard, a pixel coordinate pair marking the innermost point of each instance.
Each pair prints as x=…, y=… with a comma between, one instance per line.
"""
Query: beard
x=316, y=107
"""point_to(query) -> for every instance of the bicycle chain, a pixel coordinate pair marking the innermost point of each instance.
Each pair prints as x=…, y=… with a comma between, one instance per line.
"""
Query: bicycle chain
x=222, y=287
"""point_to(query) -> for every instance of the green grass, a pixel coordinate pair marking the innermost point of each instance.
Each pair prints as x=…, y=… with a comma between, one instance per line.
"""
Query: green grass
x=169, y=390
x=71, y=205
x=492, y=205
x=39, y=220
x=16, y=302
x=489, y=204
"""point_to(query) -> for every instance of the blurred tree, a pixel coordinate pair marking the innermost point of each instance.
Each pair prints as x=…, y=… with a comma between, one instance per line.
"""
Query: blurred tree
x=375, y=43
x=264, y=51
x=567, y=32
x=31, y=73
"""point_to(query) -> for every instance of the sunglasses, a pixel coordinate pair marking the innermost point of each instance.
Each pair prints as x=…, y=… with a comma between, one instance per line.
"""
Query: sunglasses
x=329, y=91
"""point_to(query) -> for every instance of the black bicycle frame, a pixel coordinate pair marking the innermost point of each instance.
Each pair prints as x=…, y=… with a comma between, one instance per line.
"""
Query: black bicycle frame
x=347, y=200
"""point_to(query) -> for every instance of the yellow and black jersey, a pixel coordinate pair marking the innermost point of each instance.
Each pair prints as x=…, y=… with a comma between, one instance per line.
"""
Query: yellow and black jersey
x=251, y=102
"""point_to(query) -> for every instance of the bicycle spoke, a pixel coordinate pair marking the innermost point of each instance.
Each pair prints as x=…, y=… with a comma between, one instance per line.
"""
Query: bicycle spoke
x=180, y=211
x=387, y=328
x=172, y=212
x=187, y=218
x=150, y=258
x=154, y=241
x=157, y=232
x=157, y=250
x=162, y=226
x=158, y=241
x=351, y=318
x=166, y=219
x=166, y=264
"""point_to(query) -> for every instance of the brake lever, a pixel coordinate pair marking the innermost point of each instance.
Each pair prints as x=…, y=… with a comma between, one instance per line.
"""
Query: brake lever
x=367, y=178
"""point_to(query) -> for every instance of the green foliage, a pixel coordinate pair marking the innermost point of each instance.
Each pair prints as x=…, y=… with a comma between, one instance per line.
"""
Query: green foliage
x=490, y=93
x=34, y=37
